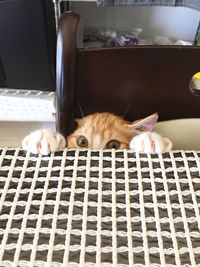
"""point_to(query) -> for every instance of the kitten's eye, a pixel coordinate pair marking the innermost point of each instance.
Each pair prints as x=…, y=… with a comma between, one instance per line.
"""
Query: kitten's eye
x=113, y=144
x=82, y=141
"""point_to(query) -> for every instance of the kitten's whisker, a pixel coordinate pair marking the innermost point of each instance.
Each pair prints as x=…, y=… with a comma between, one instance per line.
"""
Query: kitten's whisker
x=126, y=111
x=81, y=110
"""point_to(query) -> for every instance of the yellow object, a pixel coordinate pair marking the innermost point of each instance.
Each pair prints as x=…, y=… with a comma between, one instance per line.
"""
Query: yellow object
x=197, y=75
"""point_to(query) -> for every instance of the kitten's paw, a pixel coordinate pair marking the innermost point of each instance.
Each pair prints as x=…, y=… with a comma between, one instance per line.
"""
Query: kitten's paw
x=43, y=141
x=150, y=142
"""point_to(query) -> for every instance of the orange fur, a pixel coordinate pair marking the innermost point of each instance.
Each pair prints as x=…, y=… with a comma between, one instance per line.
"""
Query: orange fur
x=100, y=128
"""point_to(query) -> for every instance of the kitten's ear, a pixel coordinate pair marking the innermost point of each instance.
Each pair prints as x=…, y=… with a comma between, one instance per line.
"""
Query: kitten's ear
x=144, y=125
x=79, y=122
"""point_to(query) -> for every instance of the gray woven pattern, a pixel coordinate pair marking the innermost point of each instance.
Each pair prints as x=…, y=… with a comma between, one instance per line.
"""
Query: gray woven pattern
x=99, y=208
x=195, y=4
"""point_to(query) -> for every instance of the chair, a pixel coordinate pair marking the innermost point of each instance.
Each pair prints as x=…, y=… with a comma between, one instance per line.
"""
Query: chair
x=139, y=80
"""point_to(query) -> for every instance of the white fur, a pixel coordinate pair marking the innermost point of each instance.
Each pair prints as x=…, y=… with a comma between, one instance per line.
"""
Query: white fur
x=150, y=142
x=96, y=141
x=43, y=141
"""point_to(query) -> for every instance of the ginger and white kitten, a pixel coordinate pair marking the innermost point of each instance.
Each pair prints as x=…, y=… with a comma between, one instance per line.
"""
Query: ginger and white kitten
x=101, y=130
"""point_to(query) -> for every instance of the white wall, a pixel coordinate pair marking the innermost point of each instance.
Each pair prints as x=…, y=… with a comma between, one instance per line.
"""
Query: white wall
x=173, y=22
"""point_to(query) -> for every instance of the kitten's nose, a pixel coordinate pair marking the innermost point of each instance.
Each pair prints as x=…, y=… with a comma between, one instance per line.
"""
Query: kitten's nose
x=96, y=142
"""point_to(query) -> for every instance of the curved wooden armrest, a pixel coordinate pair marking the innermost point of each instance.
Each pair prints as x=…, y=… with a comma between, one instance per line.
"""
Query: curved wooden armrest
x=65, y=72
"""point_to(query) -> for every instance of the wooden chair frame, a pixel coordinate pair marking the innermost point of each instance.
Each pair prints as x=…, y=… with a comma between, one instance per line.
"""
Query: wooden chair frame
x=139, y=80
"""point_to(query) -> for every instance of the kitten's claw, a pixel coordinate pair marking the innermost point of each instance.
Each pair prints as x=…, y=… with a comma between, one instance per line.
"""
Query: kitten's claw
x=38, y=146
x=43, y=141
x=150, y=142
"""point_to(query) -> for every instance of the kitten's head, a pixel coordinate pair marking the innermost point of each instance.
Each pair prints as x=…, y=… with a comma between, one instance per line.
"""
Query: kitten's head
x=106, y=130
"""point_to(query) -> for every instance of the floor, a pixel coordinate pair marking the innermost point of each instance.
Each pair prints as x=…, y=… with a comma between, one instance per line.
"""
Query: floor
x=12, y=133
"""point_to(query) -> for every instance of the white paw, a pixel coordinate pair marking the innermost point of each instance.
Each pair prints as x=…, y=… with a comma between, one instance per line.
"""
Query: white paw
x=43, y=141
x=150, y=142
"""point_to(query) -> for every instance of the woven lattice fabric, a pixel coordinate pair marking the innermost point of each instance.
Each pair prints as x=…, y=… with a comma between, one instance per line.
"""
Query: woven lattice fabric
x=99, y=208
